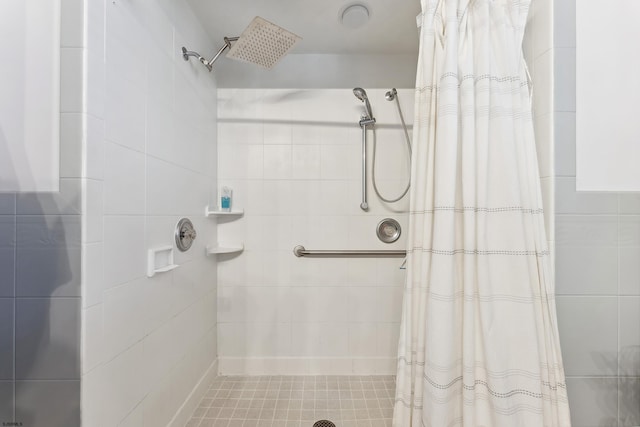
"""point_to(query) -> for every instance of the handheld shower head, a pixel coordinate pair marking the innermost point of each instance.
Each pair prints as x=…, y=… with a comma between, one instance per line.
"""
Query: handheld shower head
x=361, y=94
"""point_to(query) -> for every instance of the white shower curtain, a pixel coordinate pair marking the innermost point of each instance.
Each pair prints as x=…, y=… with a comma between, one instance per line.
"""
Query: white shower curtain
x=479, y=339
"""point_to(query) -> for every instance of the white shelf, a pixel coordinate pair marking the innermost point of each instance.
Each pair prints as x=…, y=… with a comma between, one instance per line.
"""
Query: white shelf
x=160, y=260
x=209, y=212
x=212, y=250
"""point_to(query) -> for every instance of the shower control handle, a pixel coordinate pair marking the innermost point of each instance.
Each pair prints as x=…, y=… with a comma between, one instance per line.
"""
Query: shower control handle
x=188, y=234
x=185, y=234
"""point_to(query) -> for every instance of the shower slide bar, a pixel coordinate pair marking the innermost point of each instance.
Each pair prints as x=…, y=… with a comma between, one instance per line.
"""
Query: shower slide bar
x=300, y=251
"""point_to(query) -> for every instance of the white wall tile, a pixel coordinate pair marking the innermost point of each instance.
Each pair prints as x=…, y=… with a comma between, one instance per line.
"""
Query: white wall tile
x=124, y=112
x=593, y=401
x=71, y=23
x=630, y=271
x=123, y=262
x=565, y=143
x=93, y=397
x=71, y=145
x=92, y=338
x=362, y=339
x=586, y=270
x=123, y=384
x=124, y=320
x=307, y=193
x=276, y=133
x=124, y=181
x=277, y=162
x=570, y=201
x=96, y=87
x=564, y=23
x=268, y=339
x=588, y=230
x=71, y=100
x=363, y=304
x=137, y=89
x=338, y=162
x=588, y=337
x=628, y=408
x=564, y=84
x=305, y=162
x=629, y=336
x=629, y=203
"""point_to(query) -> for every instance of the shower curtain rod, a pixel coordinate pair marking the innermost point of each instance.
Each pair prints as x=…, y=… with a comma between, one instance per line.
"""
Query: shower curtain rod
x=300, y=251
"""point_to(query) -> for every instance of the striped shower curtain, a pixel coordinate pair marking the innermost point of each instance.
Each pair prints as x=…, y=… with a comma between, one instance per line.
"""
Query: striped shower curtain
x=479, y=339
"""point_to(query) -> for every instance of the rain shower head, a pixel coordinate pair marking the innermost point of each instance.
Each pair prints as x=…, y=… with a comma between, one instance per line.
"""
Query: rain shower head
x=261, y=43
x=361, y=94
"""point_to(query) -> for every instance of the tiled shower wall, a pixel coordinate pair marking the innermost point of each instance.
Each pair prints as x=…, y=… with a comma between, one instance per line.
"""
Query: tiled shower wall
x=149, y=157
x=40, y=245
x=597, y=267
x=293, y=159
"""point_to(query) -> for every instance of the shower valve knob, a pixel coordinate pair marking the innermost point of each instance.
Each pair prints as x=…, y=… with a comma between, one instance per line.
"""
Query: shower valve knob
x=185, y=234
x=189, y=234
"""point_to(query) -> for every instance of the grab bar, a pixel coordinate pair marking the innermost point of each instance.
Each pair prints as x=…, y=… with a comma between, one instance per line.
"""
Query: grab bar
x=300, y=251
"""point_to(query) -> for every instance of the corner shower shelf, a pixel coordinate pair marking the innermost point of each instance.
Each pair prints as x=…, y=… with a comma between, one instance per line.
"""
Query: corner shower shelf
x=160, y=260
x=213, y=250
x=209, y=212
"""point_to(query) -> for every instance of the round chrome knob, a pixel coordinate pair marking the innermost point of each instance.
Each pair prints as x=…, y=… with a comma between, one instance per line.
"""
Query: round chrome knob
x=185, y=234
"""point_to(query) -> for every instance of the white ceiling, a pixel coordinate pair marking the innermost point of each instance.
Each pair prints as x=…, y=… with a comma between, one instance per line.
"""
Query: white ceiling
x=391, y=27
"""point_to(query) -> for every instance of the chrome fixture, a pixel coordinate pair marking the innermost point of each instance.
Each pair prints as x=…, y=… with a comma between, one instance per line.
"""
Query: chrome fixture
x=208, y=63
x=388, y=230
x=301, y=251
x=185, y=234
x=261, y=43
x=391, y=94
x=365, y=120
x=361, y=94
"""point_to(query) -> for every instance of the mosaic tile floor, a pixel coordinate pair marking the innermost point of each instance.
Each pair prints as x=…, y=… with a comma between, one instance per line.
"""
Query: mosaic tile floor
x=296, y=401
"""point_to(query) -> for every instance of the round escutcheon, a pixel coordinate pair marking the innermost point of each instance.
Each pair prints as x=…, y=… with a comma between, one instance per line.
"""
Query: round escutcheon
x=388, y=230
x=185, y=234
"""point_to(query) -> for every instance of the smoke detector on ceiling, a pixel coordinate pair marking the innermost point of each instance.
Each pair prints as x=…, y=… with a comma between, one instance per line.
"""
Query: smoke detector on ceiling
x=355, y=16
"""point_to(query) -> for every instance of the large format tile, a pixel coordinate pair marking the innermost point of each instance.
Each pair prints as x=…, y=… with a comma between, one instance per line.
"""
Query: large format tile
x=7, y=255
x=629, y=336
x=48, y=403
x=48, y=256
x=570, y=201
x=7, y=204
x=124, y=181
x=593, y=401
x=588, y=335
x=124, y=250
x=48, y=339
x=629, y=401
x=629, y=271
x=6, y=340
x=586, y=270
x=565, y=143
x=6, y=400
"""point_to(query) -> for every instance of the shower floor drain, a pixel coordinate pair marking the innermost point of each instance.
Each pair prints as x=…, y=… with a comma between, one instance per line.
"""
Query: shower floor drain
x=324, y=423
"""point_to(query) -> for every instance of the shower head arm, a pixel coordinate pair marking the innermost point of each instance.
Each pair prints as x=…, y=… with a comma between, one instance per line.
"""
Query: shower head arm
x=227, y=45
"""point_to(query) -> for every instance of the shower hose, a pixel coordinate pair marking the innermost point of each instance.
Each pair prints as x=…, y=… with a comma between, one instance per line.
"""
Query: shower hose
x=373, y=171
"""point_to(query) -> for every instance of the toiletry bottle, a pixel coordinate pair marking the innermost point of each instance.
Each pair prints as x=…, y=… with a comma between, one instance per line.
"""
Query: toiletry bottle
x=225, y=199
